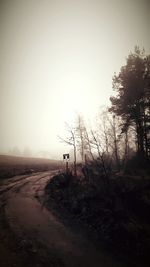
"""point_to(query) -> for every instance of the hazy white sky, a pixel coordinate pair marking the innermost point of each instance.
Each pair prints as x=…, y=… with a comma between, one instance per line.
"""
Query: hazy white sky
x=58, y=57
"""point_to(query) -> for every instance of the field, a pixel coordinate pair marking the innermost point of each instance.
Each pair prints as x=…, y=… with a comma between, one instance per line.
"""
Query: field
x=11, y=165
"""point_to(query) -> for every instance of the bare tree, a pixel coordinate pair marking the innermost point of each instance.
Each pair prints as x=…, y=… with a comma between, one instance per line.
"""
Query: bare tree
x=109, y=135
x=114, y=138
x=71, y=140
x=97, y=144
x=104, y=126
x=89, y=145
x=80, y=136
x=115, y=141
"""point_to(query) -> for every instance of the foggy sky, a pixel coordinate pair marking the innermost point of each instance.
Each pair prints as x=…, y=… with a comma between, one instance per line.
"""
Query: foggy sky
x=57, y=58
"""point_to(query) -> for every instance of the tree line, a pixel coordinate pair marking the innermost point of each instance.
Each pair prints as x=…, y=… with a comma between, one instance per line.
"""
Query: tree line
x=132, y=102
x=122, y=130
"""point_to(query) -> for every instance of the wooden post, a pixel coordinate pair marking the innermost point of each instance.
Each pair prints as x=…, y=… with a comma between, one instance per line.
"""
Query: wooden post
x=67, y=169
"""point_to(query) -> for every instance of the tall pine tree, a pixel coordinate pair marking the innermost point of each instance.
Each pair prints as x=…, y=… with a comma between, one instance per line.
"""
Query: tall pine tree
x=132, y=101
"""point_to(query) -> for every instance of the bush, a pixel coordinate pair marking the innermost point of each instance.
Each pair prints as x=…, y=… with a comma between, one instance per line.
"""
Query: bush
x=136, y=164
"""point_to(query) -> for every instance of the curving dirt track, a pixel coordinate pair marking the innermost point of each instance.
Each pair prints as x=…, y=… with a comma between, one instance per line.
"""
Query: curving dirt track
x=32, y=236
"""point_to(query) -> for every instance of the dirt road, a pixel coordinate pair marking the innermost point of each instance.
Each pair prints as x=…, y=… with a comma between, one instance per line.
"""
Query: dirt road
x=33, y=236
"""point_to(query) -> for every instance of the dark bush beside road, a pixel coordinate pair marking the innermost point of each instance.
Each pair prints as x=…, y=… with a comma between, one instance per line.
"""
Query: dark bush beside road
x=118, y=214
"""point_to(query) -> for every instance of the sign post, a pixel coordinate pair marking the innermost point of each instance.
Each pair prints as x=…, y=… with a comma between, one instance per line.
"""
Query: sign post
x=66, y=158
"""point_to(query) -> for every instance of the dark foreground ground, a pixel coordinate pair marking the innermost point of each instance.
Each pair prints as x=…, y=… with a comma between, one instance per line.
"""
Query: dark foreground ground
x=33, y=236
x=55, y=220
x=115, y=212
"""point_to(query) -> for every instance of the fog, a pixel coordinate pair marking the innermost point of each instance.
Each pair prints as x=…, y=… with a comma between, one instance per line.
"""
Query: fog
x=58, y=58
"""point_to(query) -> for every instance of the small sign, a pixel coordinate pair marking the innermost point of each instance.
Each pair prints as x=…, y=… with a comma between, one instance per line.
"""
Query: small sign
x=66, y=157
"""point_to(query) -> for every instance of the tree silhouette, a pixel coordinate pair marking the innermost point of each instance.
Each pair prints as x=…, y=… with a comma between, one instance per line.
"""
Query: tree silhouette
x=132, y=101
